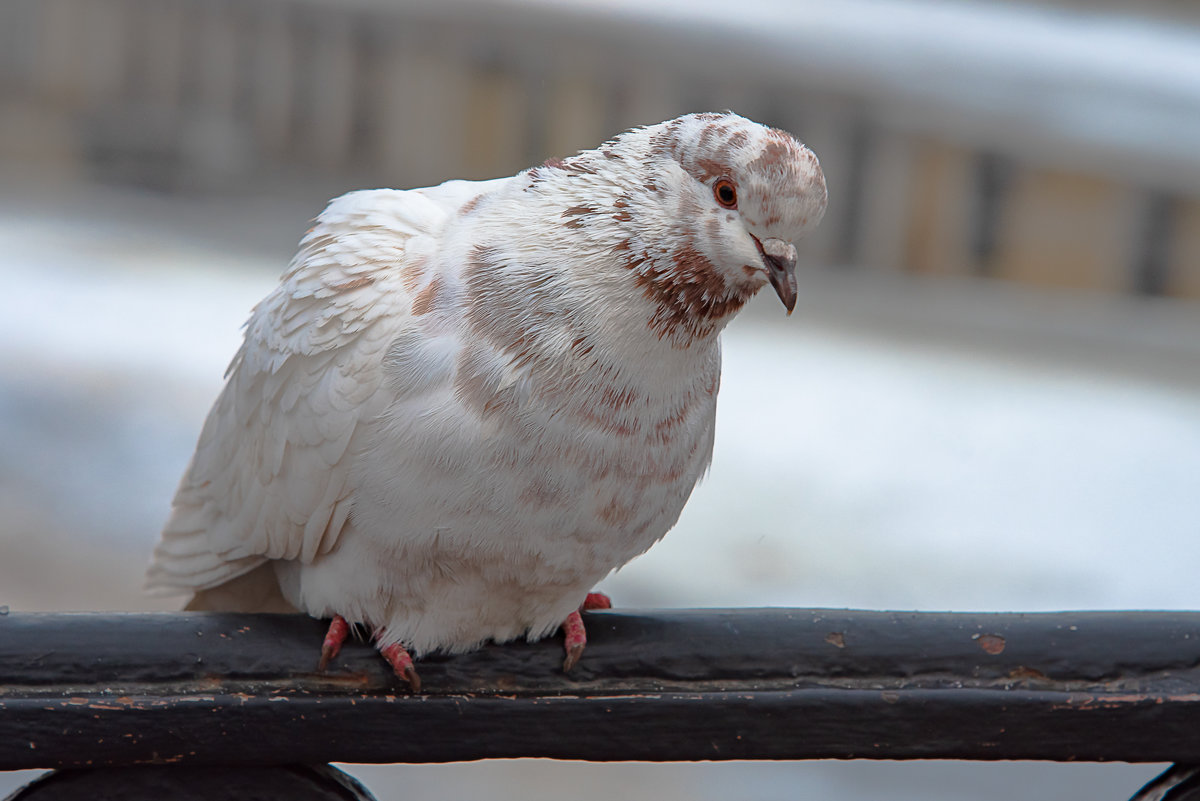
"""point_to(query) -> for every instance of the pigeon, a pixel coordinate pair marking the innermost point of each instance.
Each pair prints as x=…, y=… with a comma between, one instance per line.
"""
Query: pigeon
x=465, y=405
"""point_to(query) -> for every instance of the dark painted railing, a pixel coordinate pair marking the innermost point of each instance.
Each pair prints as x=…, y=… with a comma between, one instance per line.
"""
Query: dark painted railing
x=109, y=692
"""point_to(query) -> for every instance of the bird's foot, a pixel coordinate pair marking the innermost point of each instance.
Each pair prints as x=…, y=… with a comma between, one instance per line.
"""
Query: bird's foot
x=396, y=655
x=339, y=629
x=596, y=600
x=574, y=634
x=402, y=663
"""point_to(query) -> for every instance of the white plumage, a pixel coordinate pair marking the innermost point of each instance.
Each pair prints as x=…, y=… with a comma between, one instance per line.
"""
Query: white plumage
x=465, y=405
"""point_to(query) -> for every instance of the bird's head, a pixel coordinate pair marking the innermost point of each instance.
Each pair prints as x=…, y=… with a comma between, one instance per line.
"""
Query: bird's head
x=701, y=211
x=745, y=194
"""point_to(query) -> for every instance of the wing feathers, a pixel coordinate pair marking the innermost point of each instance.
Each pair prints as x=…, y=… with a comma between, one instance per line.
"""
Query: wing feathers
x=269, y=476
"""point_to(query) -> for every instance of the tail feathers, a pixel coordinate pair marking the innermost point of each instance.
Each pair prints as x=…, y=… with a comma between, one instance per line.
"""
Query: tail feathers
x=185, y=562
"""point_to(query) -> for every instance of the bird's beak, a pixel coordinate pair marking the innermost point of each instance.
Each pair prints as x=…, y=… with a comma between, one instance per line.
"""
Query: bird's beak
x=779, y=258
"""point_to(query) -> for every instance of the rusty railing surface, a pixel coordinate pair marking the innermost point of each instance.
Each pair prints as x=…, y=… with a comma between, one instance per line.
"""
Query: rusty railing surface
x=191, y=690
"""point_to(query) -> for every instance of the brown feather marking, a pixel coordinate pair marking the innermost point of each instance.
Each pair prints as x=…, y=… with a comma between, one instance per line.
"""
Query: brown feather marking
x=322, y=242
x=736, y=141
x=576, y=213
x=778, y=154
x=470, y=205
x=475, y=384
x=672, y=421
x=615, y=514
x=713, y=227
x=424, y=302
x=689, y=293
x=508, y=308
x=705, y=170
x=353, y=283
x=412, y=273
x=622, y=203
x=542, y=493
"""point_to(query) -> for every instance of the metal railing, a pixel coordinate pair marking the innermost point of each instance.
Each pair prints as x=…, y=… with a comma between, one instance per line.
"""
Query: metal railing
x=110, y=692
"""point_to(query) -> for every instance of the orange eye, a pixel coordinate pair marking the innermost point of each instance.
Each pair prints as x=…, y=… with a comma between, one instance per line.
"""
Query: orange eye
x=725, y=193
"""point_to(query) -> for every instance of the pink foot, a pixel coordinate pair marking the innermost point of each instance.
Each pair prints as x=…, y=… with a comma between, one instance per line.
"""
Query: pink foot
x=574, y=635
x=402, y=664
x=596, y=600
x=574, y=639
x=338, y=631
x=396, y=655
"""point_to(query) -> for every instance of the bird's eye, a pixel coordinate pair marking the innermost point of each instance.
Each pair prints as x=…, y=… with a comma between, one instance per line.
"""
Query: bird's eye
x=725, y=193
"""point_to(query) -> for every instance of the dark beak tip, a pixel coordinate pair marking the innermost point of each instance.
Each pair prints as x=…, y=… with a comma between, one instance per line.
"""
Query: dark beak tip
x=781, y=270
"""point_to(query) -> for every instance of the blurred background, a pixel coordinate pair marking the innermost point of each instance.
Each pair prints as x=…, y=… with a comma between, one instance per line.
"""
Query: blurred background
x=988, y=397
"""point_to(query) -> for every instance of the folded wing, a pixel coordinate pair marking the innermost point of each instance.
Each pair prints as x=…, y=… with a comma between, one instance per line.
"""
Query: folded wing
x=269, y=476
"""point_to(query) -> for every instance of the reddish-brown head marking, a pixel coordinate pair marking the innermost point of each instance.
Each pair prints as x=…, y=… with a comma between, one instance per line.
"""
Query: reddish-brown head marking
x=690, y=295
x=777, y=155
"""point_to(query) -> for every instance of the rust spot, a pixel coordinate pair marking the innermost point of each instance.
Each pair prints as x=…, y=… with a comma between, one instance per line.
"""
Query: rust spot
x=836, y=638
x=890, y=697
x=990, y=643
x=1023, y=672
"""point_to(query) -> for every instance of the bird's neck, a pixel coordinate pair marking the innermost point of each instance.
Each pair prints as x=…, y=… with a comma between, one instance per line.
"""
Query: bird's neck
x=594, y=257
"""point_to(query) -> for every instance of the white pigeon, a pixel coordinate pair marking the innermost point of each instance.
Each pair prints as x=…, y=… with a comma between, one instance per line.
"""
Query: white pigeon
x=464, y=405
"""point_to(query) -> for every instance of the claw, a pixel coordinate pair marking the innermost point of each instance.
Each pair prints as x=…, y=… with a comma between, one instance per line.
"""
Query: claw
x=402, y=664
x=338, y=631
x=574, y=634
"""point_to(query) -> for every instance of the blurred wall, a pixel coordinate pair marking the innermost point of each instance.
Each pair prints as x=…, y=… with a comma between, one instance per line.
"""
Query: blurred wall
x=945, y=153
